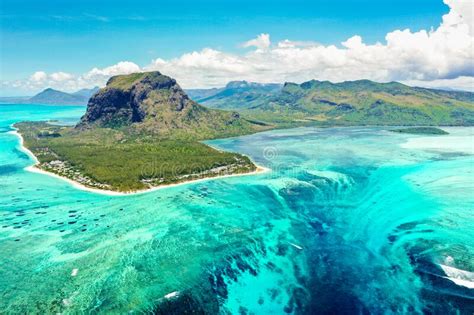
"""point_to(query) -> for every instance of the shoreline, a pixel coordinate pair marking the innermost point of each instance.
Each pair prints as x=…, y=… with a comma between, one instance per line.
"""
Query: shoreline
x=34, y=169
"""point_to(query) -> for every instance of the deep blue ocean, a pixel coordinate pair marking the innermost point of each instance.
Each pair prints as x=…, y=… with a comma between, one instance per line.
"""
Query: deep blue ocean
x=348, y=221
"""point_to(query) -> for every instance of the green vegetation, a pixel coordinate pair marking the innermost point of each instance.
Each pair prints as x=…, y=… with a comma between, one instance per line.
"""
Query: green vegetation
x=143, y=131
x=422, y=131
x=125, y=81
x=349, y=103
x=140, y=131
x=236, y=95
x=151, y=104
x=112, y=159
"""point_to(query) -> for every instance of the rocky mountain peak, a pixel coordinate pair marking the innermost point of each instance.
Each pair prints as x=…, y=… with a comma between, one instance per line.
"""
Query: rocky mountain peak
x=153, y=104
x=128, y=99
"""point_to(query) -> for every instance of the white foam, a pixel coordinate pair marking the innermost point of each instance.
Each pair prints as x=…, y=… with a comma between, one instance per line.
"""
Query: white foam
x=172, y=295
x=458, y=276
x=340, y=178
x=67, y=302
x=74, y=272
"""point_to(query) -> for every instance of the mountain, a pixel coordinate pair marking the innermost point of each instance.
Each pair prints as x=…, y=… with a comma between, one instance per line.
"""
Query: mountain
x=360, y=102
x=198, y=94
x=54, y=97
x=140, y=131
x=236, y=95
x=365, y=102
x=153, y=103
x=51, y=96
x=86, y=93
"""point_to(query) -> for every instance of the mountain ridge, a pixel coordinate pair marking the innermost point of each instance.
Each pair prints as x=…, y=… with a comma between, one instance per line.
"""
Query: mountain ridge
x=357, y=102
x=229, y=96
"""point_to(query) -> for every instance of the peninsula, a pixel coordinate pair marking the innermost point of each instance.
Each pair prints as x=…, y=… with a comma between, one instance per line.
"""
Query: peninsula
x=139, y=132
x=142, y=131
x=422, y=131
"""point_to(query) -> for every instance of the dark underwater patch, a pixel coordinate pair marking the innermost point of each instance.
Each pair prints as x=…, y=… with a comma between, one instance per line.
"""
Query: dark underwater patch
x=8, y=169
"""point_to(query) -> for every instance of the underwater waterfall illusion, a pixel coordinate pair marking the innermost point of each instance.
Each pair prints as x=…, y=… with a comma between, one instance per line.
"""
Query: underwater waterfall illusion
x=349, y=220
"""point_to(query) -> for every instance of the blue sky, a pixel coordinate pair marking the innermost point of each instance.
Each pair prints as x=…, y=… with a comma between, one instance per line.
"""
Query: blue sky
x=76, y=36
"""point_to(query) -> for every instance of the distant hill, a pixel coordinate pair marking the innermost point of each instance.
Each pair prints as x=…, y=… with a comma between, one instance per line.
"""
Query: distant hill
x=236, y=95
x=51, y=96
x=198, y=94
x=360, y=102
x=153, y=103
x=54, y=97
x=86, y=93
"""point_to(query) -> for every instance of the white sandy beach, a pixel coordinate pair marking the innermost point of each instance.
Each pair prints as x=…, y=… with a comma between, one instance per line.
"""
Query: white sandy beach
x=34, y=169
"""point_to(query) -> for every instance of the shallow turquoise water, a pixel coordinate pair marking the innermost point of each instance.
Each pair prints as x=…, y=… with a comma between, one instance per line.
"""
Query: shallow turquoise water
x=349, y=220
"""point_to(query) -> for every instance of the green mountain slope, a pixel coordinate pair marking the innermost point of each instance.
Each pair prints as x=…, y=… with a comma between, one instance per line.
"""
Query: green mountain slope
x=199, y=94
x=366, y=102
x=236, y=95
x=360, y=102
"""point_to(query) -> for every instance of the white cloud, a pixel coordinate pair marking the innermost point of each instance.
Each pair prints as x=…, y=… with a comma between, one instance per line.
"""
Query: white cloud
x=355, y=42
x=441, y=54
x=261, y=42
x=462, y=12
x=61, y=76
x=461, y=83
x=123, y=67
x=292, y=44
x=38, y=76
x=440, y=57
x=68, y=82
x=41, y=79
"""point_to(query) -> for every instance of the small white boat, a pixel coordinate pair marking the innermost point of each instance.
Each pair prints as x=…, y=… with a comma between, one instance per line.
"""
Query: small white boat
x=296, y=246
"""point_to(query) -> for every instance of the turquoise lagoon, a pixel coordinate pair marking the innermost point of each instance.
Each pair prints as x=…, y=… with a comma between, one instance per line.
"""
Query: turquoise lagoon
x=349, y=220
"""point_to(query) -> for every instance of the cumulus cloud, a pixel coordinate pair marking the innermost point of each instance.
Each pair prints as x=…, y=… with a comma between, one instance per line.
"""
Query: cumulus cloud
x=461, y=83
x=261, y=42
x=291, y=44
x=437, y=55
x=38, y=76
x=440, y=57
x=40, y=79
x=61, y=76
x=69, y=82
x=462, y=12
x=123, y=67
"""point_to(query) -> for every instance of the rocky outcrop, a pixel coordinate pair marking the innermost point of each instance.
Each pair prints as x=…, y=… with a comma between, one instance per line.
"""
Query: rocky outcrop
x=153, y=103
x=124, y=100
